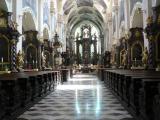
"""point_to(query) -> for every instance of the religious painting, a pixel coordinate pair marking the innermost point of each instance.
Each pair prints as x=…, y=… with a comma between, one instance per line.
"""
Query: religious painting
x=31, y=53
x=32, y=4
x=137, y=52
x=4, y=50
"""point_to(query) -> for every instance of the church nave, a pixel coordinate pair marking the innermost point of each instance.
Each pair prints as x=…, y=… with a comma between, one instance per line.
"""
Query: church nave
x=83, y=97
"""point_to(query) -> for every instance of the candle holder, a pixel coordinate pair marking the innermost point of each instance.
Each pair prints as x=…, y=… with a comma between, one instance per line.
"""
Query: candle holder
x=135, y=62
x=2, y=63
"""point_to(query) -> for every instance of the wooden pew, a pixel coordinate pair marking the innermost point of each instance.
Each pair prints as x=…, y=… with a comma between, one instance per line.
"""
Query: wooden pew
x=17, y=90
x=129, y=86
x=156, y=106
x=2, y=101
x=146, y=97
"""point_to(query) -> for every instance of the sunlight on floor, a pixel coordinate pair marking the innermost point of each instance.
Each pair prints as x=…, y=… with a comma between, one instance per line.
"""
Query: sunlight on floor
x=76, y=87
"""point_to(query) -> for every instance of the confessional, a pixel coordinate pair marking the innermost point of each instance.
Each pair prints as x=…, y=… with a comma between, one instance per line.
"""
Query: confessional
x=8, y=41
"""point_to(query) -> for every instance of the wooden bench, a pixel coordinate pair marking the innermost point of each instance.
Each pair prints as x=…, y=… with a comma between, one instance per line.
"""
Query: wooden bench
x=17, y=90
x=129, y=86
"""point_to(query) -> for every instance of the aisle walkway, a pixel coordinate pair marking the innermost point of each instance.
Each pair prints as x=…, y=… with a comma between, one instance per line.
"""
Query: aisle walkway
x=82, y=98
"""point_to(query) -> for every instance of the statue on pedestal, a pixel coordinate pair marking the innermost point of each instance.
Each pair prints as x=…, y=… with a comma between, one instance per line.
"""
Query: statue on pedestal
x=124, y=58
x=43, y=60
x=20, y=60
x=145, y=57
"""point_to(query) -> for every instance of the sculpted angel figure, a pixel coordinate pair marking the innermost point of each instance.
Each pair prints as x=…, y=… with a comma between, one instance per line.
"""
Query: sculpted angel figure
x=145, y=57
x=20, y=59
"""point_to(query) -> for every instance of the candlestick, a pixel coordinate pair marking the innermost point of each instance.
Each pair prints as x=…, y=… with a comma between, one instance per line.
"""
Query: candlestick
x=2, y=59
x=36, y=63
x=135, y=61
x=2, y=63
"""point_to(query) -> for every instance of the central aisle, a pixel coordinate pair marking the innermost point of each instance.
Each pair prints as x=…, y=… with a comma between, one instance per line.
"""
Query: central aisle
x=82, y=98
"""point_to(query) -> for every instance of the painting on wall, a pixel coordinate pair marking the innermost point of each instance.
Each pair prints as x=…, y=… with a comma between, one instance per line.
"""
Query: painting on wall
x=32, y=4
x=46, y=13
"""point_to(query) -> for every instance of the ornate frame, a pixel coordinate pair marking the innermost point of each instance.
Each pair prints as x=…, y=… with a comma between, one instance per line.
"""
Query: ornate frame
x=31, y=45
x=137, y=42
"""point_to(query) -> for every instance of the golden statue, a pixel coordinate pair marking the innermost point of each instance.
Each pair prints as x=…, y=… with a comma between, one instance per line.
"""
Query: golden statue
x=124, y=58
x=145, y=57
x=19, y=59
x=149, y=20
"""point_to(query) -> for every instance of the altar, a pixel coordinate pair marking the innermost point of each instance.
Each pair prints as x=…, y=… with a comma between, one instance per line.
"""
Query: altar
x=86, y=47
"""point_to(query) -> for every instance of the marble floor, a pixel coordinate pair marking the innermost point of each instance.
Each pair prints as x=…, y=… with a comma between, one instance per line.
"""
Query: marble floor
x=83, y=97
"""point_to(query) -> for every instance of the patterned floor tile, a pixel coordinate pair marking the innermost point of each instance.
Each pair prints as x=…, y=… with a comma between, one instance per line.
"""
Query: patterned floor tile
x=82, y=98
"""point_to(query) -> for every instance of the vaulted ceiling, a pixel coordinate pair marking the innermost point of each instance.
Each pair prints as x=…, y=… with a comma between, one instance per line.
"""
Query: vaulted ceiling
x=81, y=10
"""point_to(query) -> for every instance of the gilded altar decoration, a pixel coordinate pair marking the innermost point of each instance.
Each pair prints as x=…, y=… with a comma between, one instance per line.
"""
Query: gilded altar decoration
x=137, y=34
x=20, y=60
x=149, y=20
x=3, y=22
x=145, y=57
x=124, y=58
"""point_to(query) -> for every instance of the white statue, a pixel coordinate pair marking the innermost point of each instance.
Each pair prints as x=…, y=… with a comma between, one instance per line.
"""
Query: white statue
x=43, y=60
x=19, y=59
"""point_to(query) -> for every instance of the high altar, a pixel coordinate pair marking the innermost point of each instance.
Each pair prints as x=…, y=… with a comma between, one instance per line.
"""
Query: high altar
x=85, y=40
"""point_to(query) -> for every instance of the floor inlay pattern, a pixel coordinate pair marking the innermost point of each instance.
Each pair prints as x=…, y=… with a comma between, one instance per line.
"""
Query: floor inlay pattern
x=82, y=98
